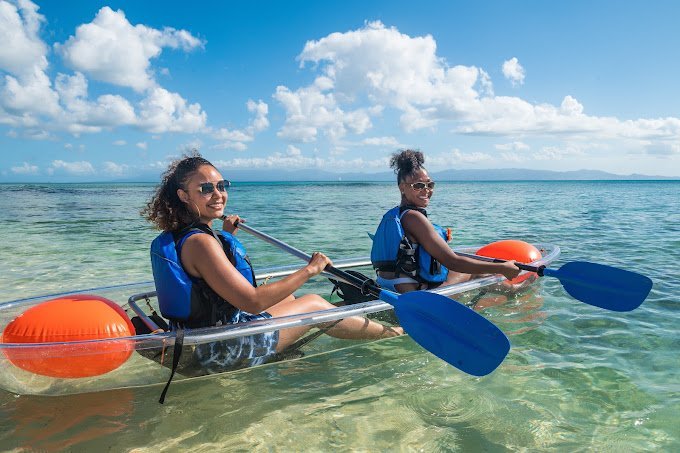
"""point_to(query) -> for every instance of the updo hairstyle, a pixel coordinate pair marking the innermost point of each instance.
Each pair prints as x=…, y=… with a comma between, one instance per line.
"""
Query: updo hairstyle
x=406, y=162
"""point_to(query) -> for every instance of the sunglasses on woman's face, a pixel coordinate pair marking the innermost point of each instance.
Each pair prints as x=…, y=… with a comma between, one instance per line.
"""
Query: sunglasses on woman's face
x=422, y=185
x=207, y=187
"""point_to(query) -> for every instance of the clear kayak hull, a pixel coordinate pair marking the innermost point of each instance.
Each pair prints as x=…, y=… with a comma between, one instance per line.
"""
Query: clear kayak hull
x=150, y=355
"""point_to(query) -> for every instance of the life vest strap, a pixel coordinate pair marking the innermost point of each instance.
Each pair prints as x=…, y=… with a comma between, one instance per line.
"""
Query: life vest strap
x=176, y=354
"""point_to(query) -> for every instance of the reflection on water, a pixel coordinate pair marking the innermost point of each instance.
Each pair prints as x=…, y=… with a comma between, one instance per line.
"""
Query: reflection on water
x=515, y=313
x=59, y=423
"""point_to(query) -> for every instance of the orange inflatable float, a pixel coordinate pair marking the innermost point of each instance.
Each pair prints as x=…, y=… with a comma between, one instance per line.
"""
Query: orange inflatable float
x=70, y=319
x=512, y=249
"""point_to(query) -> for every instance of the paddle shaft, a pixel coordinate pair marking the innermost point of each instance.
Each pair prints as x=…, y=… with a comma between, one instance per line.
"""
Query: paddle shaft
x=365, y=285
x=449, y=330
x=525, y=267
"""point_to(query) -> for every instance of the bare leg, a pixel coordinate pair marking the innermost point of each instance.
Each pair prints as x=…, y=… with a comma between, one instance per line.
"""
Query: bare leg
x=506, y=287
x=456, y=277
x=354, y=328
x=406, y=287
x=452, y=279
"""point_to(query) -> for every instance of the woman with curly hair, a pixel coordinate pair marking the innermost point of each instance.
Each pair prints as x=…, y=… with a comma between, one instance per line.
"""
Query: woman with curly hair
x=204, y=278
x=410, y=252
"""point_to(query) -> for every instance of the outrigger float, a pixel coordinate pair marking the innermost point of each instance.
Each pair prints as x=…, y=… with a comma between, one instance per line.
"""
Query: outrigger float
x=84, y=341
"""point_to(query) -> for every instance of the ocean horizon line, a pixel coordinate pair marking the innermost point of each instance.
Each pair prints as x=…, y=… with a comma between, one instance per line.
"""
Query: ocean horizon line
x=353, y=181
x=311, y=175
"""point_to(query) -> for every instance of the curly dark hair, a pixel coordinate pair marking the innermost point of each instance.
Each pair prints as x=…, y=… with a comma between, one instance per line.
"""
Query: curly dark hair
x=165, y=209
x=406, y=162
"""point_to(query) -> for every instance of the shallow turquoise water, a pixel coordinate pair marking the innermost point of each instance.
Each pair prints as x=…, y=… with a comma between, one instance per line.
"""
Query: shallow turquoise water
x=577, y=377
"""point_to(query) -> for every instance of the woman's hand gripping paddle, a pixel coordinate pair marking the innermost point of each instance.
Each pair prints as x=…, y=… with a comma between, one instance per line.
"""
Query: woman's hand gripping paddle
x=446, y=328
x=594, y=284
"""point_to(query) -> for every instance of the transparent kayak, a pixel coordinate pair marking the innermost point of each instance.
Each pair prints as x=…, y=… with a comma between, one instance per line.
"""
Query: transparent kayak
x=150, y=355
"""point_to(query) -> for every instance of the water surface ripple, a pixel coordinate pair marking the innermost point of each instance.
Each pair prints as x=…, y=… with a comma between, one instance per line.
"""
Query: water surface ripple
x=577, y=378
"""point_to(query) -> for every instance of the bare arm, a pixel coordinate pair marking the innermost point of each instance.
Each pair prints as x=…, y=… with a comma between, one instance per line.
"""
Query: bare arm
x=419, y=229
x=203, y=257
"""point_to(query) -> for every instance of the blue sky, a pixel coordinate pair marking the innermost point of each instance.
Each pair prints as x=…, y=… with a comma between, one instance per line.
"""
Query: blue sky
x=103, y=90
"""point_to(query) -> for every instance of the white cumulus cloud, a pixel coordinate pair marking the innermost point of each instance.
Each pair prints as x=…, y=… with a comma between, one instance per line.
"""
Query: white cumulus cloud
x=25, y=169
x=362, y=72
x=260, y=122
x=381, y=141
x=163, y=111
x=558, y=153
x=237, y=138
x=113, y=50
x=513, y=146
x=109, y=49
x=390, y=68
x=453, y=157
x=82, y=115
x=291, y=161
x=22, y=49
x=310, y=109
x=236, y=146
x=25, y=90
x=293, y=151
x=72, y=168
x=663, y=148
x=114, y=169
x=513, y=71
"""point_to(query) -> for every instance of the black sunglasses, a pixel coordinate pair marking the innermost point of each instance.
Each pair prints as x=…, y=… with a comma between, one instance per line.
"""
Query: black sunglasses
x=422, y=185
x=208, y=187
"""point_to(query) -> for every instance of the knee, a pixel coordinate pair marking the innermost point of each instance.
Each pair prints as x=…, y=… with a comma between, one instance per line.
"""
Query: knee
x=314, y=302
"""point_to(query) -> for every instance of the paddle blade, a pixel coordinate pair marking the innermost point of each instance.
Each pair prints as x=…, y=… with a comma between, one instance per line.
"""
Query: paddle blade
x=450, y=330
x=603, y=286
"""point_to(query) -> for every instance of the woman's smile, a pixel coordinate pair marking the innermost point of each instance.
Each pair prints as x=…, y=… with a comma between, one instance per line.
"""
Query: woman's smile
x=421, y=194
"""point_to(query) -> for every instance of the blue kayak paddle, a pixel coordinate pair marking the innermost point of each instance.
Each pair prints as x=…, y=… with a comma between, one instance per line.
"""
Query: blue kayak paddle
x=446, y=328
x=594, y=284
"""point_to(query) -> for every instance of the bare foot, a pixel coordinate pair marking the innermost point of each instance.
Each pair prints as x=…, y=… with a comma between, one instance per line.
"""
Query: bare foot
x=392, y=331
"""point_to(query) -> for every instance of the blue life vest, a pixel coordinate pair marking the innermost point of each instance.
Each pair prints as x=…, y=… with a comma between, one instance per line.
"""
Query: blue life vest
x=392, y=251
x=186, y=299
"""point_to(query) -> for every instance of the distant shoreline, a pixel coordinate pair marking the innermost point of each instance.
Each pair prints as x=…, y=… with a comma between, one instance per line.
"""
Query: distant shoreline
x=336, y=182
x=311, y=175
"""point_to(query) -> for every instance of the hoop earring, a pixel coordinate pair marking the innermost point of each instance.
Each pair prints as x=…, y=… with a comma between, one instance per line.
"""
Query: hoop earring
x=197, y=210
